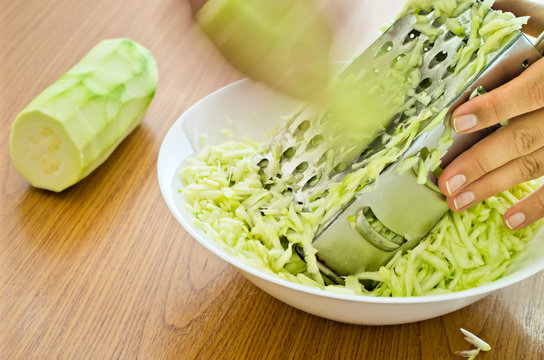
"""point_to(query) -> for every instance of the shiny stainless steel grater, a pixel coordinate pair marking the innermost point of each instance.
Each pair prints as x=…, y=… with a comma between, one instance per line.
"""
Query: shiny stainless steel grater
x=398, y=211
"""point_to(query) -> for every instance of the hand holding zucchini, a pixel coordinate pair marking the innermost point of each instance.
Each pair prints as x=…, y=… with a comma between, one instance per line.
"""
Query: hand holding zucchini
x=76, y=123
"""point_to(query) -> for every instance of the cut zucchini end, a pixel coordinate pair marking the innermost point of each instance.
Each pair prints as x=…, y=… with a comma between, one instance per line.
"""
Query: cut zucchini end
x=43, y=152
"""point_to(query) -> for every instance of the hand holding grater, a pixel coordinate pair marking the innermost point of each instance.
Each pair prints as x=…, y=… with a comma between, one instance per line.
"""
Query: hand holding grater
x=398, y=211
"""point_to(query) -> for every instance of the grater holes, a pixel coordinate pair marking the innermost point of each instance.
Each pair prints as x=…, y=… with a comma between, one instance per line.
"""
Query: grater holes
x=312, y=181
x=319, y=195
x=449, y=35
x=287, y=191
x=424, y=84
x=325, y=155
x=301, y=167
x=450, y=69
x=438, y=58
x=427, y=45
x=322, y=158
x=288, y=153
x=314, y=142
x=387, y=47
x=368, y=152
x=411, y=36
x=303, y=126
x=392, y=127
x=437, y=22
x=400, y=56
x=263, y=164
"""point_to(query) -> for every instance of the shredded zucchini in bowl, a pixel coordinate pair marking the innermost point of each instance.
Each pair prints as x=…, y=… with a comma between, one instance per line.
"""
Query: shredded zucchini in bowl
x=260, y=225
x=256, y=219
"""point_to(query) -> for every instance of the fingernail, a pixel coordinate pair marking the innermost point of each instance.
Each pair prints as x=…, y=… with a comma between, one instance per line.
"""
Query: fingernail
x=464, y=122
x=455, y=182
x=513, y=221
x=463, y=199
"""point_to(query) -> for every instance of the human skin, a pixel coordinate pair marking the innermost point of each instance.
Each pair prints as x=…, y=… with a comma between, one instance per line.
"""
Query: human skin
x=514, y=153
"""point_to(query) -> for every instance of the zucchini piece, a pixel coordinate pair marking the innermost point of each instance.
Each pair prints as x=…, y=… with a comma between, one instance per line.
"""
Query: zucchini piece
x=281, y=42
x=75, y=124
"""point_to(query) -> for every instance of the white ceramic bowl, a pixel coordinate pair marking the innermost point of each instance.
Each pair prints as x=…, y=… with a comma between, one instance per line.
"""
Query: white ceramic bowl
x=255, y=110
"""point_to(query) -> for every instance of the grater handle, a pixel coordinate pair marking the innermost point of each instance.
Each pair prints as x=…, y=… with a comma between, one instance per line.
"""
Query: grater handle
x=539, y=43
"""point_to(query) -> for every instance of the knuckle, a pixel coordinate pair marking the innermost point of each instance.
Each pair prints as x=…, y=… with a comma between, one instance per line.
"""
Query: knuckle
x=536, y=94
x=490, y=103
x=492, y=188
x=524, y=141
x=530, y=167
x=481, y=165
x=540, y=203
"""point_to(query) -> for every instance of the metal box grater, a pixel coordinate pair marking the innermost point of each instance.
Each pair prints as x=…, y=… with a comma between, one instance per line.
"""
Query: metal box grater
x=350, y=242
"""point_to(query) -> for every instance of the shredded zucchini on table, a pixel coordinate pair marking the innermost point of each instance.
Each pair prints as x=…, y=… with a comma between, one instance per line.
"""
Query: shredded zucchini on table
x=256, y=219
x=478, y=343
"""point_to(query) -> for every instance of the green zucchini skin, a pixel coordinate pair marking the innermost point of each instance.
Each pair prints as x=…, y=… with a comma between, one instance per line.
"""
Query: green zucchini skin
x=283, y=43
x=75, y=124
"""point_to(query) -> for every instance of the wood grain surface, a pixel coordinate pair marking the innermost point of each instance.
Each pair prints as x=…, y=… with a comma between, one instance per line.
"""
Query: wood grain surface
x=104, y=271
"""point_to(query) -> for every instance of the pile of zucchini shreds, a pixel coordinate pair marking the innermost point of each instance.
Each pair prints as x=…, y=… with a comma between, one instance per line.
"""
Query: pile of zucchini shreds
x=260, y=222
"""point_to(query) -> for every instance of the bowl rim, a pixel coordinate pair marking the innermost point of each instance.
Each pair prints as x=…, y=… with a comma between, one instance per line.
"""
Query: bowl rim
x=199, y=235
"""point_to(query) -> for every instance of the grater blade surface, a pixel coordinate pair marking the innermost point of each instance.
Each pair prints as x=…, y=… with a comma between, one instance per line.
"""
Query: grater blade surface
x=301, y=141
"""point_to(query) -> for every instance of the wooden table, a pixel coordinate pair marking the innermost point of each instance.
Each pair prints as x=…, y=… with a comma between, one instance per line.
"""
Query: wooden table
x=103, y=270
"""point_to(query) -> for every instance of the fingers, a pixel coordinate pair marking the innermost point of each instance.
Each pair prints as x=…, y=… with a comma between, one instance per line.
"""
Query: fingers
x=526, y=211
x=517, y=140
x=521, y=95
x=522, y=169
